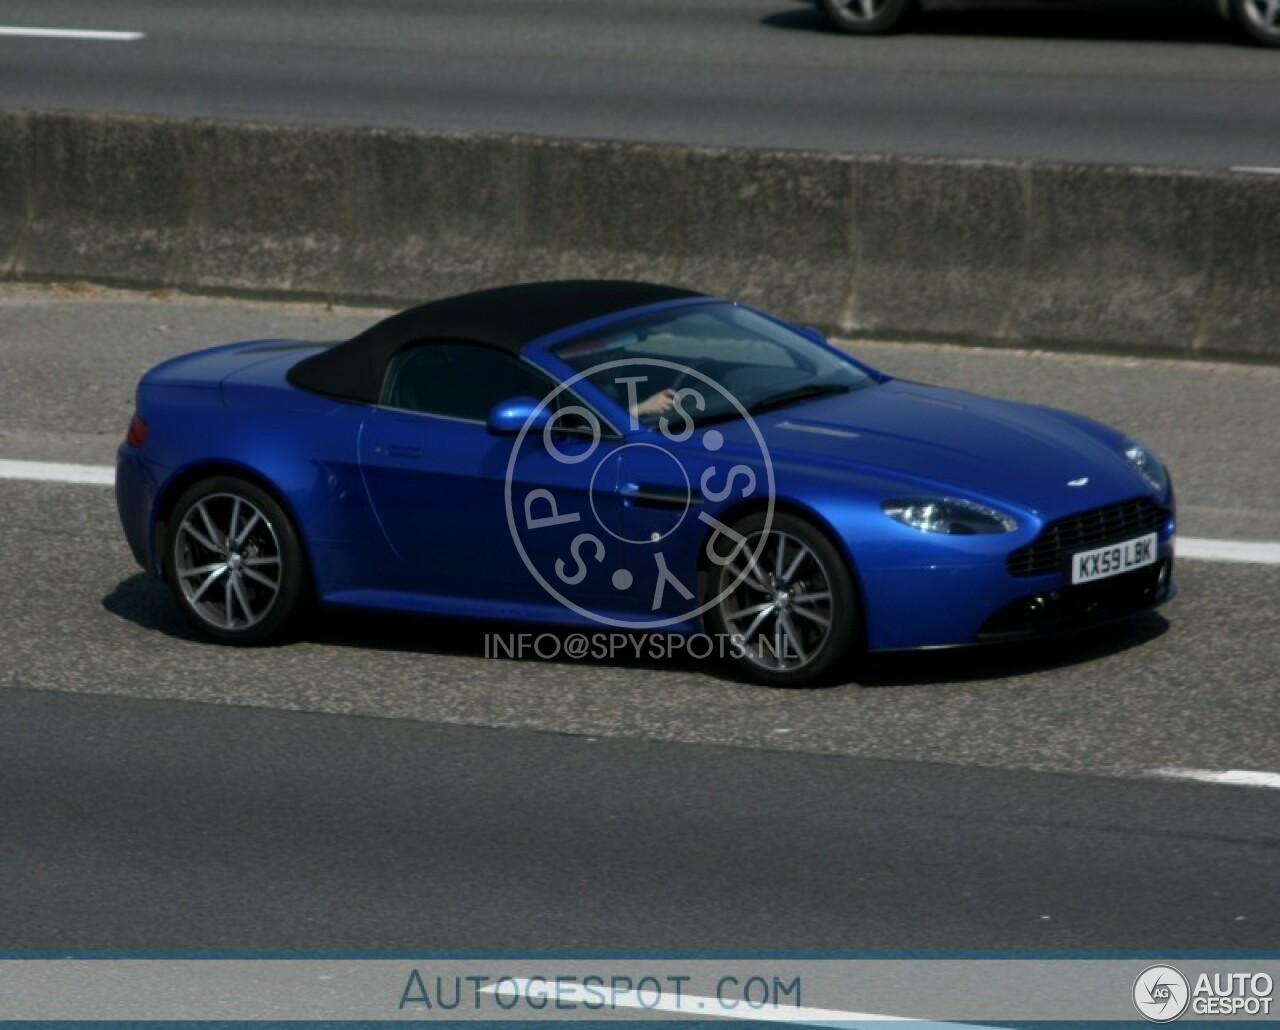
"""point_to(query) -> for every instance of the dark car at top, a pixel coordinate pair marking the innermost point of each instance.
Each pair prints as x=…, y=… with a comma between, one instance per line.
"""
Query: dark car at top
x=1259, y=18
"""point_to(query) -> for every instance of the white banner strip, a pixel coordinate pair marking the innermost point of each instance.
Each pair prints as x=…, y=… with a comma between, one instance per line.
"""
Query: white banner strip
x=874, y=993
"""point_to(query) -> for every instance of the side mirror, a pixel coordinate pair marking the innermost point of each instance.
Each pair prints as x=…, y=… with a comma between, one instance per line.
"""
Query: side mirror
x=813, y=333
x=510, y=416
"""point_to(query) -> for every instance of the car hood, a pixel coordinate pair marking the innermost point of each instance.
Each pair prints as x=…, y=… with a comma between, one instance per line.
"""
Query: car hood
x=932, y=438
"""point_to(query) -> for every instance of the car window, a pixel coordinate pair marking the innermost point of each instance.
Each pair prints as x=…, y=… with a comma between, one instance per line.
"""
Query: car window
x=459, y=380
x=748, y=357
x=703, y=335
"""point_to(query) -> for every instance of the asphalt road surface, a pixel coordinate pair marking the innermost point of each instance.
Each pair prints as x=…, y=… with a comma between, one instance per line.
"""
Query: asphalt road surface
x=152, y=825
x=381, y=784
x=1129, y=81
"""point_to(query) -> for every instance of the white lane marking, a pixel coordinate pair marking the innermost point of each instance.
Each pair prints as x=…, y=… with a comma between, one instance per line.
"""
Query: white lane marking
x=1253, y=170
x=58, y=472
x=1235, y=777
x=699, y=1006
x=98, y=34
x=1255, y=552
x=1251, y=552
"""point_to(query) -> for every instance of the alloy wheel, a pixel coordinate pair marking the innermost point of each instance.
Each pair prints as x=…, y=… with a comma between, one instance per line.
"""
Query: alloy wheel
x=782, y=609
x=1263, y=15
x=867, y=17
x=864, y=10
x=228, y=561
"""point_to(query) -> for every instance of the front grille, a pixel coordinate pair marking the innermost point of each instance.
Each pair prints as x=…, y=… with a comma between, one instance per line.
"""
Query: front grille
x=1087, y=530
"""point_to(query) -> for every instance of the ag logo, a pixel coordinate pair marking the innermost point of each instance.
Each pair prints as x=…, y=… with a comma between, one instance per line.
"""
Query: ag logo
x=1161, y=993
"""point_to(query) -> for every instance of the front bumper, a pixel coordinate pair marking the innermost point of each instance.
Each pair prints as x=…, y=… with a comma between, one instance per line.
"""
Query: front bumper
x=943, y=600
x=1081, y=607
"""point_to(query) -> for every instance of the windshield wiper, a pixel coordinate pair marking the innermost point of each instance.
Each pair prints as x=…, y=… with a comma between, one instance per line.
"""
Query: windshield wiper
x=800, y=393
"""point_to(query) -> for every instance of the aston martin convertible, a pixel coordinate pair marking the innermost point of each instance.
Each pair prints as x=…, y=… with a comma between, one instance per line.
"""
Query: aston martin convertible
x=631, y=458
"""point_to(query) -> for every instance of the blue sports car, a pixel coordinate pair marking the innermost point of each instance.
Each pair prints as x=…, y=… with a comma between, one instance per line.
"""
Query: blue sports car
x=631, y=457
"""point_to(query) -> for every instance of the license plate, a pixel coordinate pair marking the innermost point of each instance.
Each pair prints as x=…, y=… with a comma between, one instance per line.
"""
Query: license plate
x=1114, y=559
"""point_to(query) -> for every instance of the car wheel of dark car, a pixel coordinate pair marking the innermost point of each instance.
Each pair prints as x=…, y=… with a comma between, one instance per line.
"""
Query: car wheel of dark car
x=234, y=562
x=1259, y=18
x=869, y=16
x=793, y=617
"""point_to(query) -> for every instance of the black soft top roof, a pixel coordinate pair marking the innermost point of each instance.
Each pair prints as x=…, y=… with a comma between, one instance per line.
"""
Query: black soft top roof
x=507, y=317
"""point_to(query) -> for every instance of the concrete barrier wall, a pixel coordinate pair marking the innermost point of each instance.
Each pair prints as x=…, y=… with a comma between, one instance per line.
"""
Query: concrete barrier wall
x=1141, y=260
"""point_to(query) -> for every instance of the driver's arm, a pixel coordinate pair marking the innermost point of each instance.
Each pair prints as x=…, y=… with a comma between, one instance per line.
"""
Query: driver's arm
x=656, y=404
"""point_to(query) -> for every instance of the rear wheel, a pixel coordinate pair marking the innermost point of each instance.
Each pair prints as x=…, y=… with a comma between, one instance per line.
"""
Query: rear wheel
x=792, y=613
x=866, y=17
x=1259, y=18
x=234, y=562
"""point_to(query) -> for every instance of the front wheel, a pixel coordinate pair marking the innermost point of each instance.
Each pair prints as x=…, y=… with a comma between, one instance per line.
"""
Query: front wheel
x=1259, y=18
x=867, y=17
x=792, y=613
x=234, y=562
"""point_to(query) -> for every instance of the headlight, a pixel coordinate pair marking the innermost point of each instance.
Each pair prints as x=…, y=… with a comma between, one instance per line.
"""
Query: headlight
x=949, y=515
x=1148, y=466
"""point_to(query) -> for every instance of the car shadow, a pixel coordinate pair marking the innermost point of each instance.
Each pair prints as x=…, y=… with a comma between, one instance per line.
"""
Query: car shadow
x=143, y=601
x=1162, y=21
x=146, y=602
x=1006, y=661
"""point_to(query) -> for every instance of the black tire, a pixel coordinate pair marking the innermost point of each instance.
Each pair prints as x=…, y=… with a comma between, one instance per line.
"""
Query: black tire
x=765, y=652
x=234, y=563
x=1258, y=19
x=870, y=17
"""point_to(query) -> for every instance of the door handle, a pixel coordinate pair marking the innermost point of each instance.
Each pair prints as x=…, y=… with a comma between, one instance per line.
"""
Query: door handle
x=651, y=496
x=398, y=450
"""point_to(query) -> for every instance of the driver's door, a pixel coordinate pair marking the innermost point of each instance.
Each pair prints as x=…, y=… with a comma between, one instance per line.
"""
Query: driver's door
x=437, y=478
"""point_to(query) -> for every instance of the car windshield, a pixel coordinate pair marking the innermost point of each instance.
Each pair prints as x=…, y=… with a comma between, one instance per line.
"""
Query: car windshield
x=708, y=356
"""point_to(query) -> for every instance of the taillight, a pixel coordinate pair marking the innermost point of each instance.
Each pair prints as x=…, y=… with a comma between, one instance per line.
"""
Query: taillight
x=138, y=430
